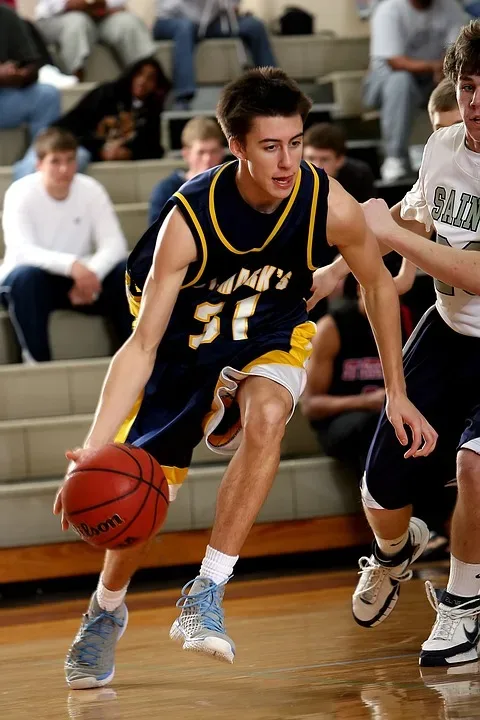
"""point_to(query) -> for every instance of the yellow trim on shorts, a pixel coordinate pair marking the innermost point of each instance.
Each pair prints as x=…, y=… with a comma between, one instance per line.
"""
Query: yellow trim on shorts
x=201, y=235
x=297, y=356
x=174, y=475
x=313, y=213
x=281, y=220
x=126, y=426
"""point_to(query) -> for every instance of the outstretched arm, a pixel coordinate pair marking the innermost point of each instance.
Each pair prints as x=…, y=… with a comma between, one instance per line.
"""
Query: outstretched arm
x=346, y=228
x=449, y=265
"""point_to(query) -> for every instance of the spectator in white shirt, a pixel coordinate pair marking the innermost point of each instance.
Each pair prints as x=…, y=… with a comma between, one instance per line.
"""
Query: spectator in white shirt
x=64, y=247
x=76, y=25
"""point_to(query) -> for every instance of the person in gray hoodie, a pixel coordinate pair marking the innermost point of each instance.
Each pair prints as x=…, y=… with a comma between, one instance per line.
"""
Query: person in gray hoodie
x=186, y=22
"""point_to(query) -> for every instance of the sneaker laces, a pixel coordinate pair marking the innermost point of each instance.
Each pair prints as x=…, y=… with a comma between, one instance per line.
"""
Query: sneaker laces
x=206, y=603
x=374, y=574
x=448, y=618
x=93, y=633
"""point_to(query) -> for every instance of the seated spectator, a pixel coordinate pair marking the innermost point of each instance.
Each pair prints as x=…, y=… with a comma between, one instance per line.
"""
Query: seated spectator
x=408, y=41
x=118, y=120
x=188, y=21
x=324, y=145
x=203, y=147
x=22, y=99
x=64, y=248
x=345, y=388
x=48, y=73
x=76, y=25
x=443, y=107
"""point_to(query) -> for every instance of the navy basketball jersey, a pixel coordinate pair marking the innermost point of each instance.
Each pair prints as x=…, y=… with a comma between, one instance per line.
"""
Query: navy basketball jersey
x=253, y=270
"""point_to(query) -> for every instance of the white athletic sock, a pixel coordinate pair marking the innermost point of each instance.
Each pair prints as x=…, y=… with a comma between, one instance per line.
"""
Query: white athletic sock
x=217, y=566
x=110, y=600
x=464, y=578
x=389, y=548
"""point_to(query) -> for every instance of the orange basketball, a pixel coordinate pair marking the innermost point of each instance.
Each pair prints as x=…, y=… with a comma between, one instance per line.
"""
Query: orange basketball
x=117, y=498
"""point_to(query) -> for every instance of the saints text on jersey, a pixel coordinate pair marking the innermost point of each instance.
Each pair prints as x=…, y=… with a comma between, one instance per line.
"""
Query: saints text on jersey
x=463, y=211
x=259, y=280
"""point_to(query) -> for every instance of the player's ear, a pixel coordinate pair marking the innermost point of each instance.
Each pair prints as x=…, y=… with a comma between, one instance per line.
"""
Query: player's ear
x=237, y=148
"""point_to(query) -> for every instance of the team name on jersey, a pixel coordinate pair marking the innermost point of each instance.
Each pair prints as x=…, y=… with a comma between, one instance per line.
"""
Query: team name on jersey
x=459, y=212
x=259, y=280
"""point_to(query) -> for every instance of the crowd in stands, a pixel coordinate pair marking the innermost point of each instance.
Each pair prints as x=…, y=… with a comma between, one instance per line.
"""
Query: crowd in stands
x=64, y=245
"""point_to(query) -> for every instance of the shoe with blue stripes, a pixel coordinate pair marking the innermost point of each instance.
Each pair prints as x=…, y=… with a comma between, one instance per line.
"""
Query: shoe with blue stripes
x=201, y=625
x=90, y=662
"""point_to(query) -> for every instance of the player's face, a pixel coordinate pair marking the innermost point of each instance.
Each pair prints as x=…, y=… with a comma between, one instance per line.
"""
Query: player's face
x=324, y=158
x=272, y=151
x=446, y=118
x=468, y=97
x=203, y=155
x=58, y=169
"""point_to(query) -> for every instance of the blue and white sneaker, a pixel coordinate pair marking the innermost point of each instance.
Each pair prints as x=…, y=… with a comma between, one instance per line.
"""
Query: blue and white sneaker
x=90, y=662
x=200, y=625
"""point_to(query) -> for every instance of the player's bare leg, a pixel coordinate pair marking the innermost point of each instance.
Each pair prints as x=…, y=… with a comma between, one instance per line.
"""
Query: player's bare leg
x=264, y=407
x=455, y=635
x=399, y=541
x=90, y=661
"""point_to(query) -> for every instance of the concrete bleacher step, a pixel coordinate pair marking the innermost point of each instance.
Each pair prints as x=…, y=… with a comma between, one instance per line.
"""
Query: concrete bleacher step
x=72, y=336
x=125, y=182
x=217, y=61
x=303, y=488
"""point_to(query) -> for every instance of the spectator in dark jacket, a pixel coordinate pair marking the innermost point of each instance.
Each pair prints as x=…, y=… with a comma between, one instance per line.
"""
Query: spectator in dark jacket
x=324, y=145
x=120, y=120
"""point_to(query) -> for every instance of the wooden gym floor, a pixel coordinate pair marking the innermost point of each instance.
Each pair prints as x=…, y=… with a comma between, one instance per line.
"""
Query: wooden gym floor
x=299, y=655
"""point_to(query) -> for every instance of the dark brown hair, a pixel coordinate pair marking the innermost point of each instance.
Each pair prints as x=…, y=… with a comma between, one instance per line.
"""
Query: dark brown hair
x=54, y=139
x=325, y=136
x=463, y=57
x=443, y=98
x=262, y=92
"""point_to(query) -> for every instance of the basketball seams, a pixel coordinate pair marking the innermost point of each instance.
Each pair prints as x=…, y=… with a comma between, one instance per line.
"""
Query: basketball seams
x=146, y=476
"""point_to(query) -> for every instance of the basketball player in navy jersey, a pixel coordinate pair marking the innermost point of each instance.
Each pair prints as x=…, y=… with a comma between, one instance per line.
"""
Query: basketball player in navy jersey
x=218, y=285
x=442, y=364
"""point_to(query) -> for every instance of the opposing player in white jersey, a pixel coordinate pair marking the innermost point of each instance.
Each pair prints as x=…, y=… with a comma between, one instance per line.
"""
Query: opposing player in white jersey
x=442, y=371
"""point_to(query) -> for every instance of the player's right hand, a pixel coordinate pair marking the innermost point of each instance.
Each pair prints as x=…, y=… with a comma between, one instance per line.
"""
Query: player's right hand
x=324, y=282
x=74, y=456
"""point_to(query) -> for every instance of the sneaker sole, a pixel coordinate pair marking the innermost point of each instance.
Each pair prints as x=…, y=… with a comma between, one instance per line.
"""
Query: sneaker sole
x=216, y=647
x=433, y=660
x=89, y=682
x=392, y=599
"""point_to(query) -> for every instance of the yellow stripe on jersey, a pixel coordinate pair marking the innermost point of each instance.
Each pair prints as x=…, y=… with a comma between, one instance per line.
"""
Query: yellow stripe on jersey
x=133, y=300
x=281, y=220
x=201, y=235
x=297, y=356
x=126, y=426
x=313, y=213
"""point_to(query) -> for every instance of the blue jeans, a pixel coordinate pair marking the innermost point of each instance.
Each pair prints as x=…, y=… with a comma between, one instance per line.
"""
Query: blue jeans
x=32, y=294
x=37, y=106
x=28, y=164
x=184, y=33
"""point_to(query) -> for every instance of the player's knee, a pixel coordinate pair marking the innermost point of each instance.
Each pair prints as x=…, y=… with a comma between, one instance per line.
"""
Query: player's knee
x=468, y=470
x=266, y=420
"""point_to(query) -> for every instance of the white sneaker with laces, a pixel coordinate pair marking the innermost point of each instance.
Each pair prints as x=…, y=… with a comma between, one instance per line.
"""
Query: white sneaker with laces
x=456, y=633
x=378, y=589
x=51, y=75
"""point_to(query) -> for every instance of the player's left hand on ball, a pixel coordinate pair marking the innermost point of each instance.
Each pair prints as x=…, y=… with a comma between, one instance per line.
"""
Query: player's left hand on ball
x=73, y=456
x=400, y=412
x=378, y=217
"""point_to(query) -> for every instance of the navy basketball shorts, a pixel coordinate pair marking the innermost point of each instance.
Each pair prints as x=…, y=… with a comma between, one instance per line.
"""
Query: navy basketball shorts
x=185, y=402
x=442, y=373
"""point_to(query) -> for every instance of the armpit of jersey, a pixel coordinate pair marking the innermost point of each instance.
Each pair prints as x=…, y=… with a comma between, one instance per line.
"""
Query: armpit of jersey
x=414, y=207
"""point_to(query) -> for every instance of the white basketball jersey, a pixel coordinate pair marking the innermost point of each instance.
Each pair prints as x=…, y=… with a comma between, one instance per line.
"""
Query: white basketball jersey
x=445, y=196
